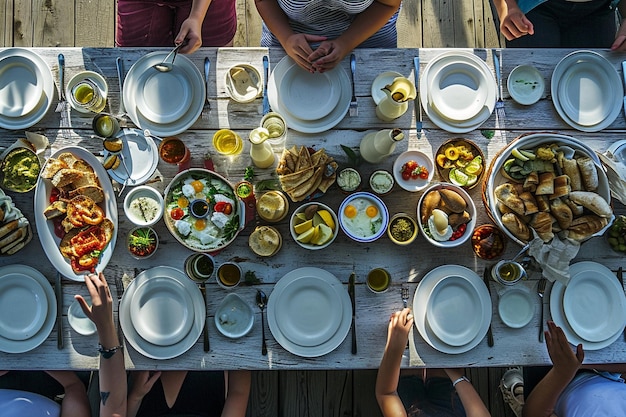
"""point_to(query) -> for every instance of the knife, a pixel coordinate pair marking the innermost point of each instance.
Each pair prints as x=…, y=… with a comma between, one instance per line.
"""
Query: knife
x=119, y=288
x=486, y=279
x=620, y=272
x=416, y=102
x=624, y=75
x=353, y=301
x=266, y=66
x=205, y=331
x=58, y=291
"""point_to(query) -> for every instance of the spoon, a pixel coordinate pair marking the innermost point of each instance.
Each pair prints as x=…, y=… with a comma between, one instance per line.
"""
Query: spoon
x=167, y=66
x=261, y=301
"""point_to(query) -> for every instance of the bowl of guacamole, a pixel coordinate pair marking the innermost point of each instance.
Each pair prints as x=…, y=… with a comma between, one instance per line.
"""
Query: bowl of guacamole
x=20, y=170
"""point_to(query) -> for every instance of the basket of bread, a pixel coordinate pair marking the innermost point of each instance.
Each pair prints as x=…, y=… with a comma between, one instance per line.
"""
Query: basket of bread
x=548, y=185
x=15, y=230
x=304, y=172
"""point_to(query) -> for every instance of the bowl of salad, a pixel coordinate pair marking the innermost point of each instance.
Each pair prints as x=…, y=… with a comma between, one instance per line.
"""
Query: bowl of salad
x=202, y=210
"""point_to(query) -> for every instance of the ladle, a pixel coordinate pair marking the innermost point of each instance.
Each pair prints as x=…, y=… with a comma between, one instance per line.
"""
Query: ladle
x=164, y=66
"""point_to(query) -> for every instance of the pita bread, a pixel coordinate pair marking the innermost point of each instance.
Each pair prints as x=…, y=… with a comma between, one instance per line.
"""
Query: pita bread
x=291, y=181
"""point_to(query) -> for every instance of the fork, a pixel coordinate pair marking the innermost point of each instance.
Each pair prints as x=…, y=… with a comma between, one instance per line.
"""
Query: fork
x=499, y=103
x=354, y=109
x=207, y=105
x=541, y=289
x=404, y=291
x=119, y=288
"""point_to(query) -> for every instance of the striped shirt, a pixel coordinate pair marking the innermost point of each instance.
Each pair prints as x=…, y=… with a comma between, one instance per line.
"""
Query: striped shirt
x=330, y=18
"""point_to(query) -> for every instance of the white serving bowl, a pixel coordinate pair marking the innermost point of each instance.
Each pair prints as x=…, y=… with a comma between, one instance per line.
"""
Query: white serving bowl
x=150, y=196
x=234, y=317
x=355, y=221
x=301, y=209
x=240, y=90
x=470, y=208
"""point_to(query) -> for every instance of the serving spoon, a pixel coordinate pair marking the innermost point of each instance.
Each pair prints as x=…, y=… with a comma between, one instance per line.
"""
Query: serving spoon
x=261, y=301
x=164, y=66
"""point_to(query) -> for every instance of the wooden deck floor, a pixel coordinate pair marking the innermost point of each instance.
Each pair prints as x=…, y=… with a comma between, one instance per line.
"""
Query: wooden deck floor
x=431, y=23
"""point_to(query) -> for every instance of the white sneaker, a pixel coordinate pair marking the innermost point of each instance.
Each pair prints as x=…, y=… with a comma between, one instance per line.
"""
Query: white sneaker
x=512, y=388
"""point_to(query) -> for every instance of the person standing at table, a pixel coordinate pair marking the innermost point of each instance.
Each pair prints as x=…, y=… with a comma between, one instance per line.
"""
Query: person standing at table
x=569, y=390
x=111, y=373
x=561, y=23
x=446, y=393
x=319, y=34
x=170, y=22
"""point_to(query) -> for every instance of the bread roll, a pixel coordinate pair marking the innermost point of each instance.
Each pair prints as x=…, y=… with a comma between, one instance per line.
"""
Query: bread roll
x=588, y=173
x=542, y=223
x=430, y=202
x=453, y=200
x=561, y=212
x=586, y=226
x=561, y=187
x=546, y=183
x=507, y=195
x=570, y=168
x=592, y=201
x=516, y=226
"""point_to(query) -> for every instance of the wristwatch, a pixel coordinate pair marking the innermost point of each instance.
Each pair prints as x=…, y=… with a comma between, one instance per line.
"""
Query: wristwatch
x=107, y=353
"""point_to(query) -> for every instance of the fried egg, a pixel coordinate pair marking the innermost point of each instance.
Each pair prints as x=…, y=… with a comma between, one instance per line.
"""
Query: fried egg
x=194, y=188
x=362, y=217
x=438, y=226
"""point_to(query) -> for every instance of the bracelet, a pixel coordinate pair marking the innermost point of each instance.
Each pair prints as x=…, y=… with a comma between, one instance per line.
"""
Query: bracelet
x=107, y=353
x=461, y=379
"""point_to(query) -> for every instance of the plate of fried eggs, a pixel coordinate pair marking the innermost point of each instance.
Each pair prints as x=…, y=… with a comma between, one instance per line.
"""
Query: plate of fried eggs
x=363, y=217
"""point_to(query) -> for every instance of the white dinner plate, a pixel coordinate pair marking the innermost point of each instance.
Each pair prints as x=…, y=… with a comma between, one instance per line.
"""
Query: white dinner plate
x=420, y=301
x=594, y=303
x=309, y=126
x=422, y=159
x=380, y=82
x=21, y=346
x=165, y=96
x=309, y=96
x=298, y=298
x=79, y=320
x=140, y=154
x=160, y=312
x=516, y=307
x=26, y=88
x=23, y=306
x=472, y=64
x=558, y=313
x=343, y=310
x=146, y=348
x=586, y=91
x=452, y=309
x=45, y=228
x=135, y=85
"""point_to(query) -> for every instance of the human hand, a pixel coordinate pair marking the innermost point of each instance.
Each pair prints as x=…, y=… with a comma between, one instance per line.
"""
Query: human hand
x=298, y=47
x=328, y=54
x=400, y=323
x=620, y=39
x=4, y=372
x=563, y=358
x=101, y=310
x=190, y=30
x=514, y=24
x=142, y=382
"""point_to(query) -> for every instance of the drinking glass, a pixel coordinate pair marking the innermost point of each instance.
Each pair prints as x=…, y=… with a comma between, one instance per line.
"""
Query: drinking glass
x=227, y=142
x=87, y=95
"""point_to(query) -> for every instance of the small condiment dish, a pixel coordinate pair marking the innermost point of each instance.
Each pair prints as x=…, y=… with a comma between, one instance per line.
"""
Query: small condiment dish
x=314, y=226
x=402, y=229
x=243, y=83
x=19, y=170
x=234, y=317
x=381, y=182
x=143, y=206
x=488, y=241
x=363, y=217
x=525, y=84
x=78, y=320
x=516, y=307
x=142, y=242
x=265, y=241
x=422, y=160
x=349, y=180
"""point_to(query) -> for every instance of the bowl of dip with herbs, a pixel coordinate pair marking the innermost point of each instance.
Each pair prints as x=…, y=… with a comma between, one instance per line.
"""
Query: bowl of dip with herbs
x=20, y=170
x=402, y=229
x=143, y=206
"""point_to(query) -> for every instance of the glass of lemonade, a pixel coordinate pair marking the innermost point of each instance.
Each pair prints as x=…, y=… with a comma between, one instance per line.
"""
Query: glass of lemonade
x=227, y=142
x=87, y=95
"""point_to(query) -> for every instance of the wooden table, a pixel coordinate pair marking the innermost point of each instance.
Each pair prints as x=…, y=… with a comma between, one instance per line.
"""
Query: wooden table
x=406, y=264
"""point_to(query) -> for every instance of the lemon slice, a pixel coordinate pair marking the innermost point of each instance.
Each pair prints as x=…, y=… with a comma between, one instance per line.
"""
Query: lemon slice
x=328, y=218
x=300, y=218
x=474, y=167
x=324, y=235
x=458, y=177
x=303, y=227
x=471, y=180
x=306, y=236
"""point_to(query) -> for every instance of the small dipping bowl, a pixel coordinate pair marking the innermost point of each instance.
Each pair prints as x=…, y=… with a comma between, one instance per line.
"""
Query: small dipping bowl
x=234, y=317
x=199, y=266
x=508, y=272
x=402, y=229
x=488, y=241
x=13, y=167
x=525, y=84
x=229, y=275
x=378, y=280
x=381, y=182
x=143, y=206
x=243, y=83
x=349, y=180
x=142, y=242
x=199, y=208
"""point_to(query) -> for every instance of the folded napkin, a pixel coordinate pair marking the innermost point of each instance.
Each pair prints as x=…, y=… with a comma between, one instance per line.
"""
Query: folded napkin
x=554, y=257
x=616, y=174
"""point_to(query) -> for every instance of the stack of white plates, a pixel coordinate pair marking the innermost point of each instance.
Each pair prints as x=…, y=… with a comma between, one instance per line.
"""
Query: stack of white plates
x=310, y=103
x=309, y=312
x=591, y=309
x=27, y=308
x=26, y=88
x=166, y=103
x=457, y=91
x=587, y=91
x=162, y=313
x=452, y=309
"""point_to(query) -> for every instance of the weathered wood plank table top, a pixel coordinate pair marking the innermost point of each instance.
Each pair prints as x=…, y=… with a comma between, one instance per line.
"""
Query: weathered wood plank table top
x=406, y=264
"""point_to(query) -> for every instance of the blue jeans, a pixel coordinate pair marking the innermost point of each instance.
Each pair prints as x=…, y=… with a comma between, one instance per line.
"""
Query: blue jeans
x=434, y=398
x=566, y=24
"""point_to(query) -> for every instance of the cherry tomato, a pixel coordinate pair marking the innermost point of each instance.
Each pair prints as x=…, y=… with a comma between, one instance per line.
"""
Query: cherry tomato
x=177, y=213
x=415, y=174
x=424, y=174
x=406, y=175
x=223, y=207
x=411, y=165
x=54, y=195
x=59, y=230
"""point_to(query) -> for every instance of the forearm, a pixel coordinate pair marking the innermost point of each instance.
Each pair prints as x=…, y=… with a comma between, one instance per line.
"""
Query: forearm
x=546, y=393
x=75, y=402
x=199, y=9
x=238, y=392
x=503, y=7
x=275, y=19
x=113, y=387
x=387, y=383
x=368, y=23
x=472, y=403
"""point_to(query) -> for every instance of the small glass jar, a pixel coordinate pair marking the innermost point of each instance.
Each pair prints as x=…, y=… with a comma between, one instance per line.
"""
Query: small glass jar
x=378, y=280
x=508, y=272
